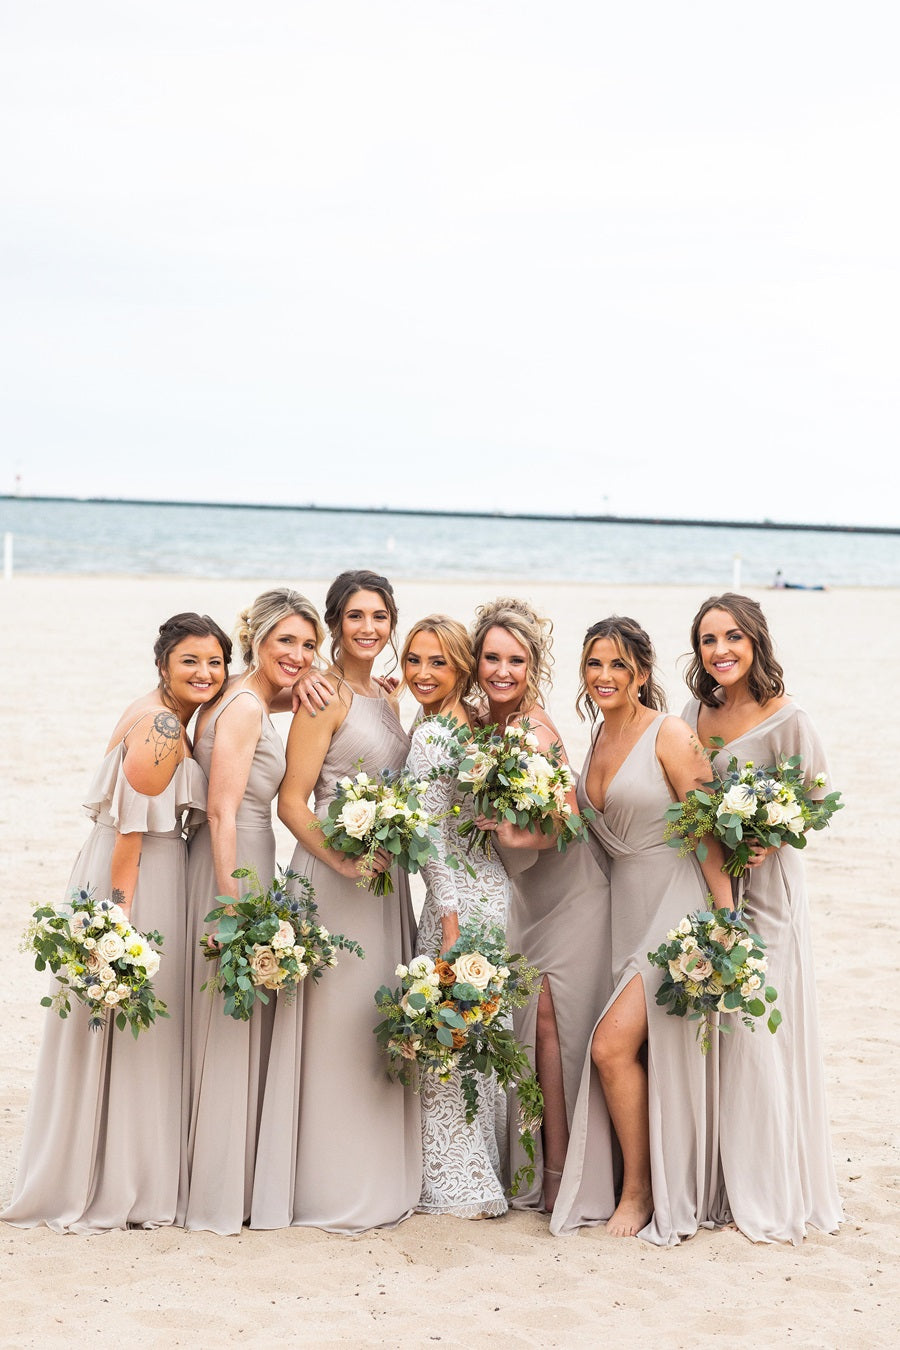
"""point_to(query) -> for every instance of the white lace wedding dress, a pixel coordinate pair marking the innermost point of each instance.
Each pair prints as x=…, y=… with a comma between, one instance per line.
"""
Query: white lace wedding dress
x=462, y=1166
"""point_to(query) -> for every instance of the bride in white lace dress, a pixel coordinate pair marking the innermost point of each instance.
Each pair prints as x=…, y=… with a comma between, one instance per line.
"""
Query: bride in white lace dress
x=462, y=1166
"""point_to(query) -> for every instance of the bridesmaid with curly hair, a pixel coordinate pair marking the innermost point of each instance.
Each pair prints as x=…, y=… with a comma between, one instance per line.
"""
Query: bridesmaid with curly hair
x=559, y=912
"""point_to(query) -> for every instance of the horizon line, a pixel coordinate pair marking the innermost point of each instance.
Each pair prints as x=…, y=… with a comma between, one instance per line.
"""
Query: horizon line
x=571, y=518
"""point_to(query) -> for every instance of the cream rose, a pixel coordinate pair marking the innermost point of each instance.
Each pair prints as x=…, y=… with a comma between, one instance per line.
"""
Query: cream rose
x=264, y=967
x=481, y=767
x=284, y=937
x=95, y=991
x=111, y=947
x=151, y=963
x=474, y=969
x=111, y=998
x=358, y=818
x=739, y=800
x=694, y=966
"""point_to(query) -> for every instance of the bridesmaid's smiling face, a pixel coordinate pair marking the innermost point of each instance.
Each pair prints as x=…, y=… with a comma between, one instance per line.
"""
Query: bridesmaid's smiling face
x=610, y=680
x=725, y=650
x=429, y=674
x=194, y=671
x=288, y=650
x=503, y=669
x=365, y=626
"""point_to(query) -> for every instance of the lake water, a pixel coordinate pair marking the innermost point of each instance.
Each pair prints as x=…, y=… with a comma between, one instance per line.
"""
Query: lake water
x=228, y=541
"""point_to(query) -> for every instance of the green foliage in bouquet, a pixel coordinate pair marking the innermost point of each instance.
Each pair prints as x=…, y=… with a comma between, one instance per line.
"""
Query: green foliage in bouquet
x=269, y=941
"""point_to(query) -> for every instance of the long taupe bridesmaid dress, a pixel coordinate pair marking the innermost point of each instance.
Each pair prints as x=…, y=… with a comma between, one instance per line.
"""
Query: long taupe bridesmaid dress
x=339, y=1142
x=652, y=889
x=774, y=1139
x=227, y=1062
x=560, y=919
x=102, y=1135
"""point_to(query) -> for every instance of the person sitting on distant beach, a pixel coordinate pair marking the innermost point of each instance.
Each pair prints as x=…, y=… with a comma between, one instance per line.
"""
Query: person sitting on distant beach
x=779, y=584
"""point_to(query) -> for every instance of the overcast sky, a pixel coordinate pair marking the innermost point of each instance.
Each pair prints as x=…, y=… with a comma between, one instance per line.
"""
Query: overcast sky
x=638, y=258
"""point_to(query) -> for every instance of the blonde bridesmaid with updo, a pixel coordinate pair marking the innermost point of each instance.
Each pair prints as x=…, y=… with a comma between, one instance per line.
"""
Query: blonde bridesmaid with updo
x=243, y=755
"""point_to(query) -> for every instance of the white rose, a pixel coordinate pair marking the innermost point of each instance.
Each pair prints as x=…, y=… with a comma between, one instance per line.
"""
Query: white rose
x=116, y=914
x=89, y=944
x=95, y=991
x=302, y=970
x=474, y=969
x=420, y=967
x=739, y=800
x=531, y=741
x=111, y=998
x=358, y=818
x=151, y=963
x=401, y=971
x=684, y=927
x=539, y=767
x=107, y=976
x=283, y=938
x=363, y=779
x=111, y=947
x=503, y=973
x=776, y=814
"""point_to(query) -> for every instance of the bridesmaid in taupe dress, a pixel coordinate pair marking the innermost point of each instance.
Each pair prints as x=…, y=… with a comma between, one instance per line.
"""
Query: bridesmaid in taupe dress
x=243, y=756
x=102, y=1136
x=646, y=1088
x=559, y=913
x=775, y=1144
x=341, y=1142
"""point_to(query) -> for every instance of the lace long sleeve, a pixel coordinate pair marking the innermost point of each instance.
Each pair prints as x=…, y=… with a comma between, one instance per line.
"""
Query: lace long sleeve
x=428, y=751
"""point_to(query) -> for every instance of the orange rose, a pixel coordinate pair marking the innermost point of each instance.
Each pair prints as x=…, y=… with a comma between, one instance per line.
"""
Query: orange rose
x=459, y=1039
x=444, y=972
x=489, y=1008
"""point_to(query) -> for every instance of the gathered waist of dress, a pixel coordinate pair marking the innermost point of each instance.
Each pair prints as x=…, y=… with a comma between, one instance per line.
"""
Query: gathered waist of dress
x=177, y=834
x=620, y=853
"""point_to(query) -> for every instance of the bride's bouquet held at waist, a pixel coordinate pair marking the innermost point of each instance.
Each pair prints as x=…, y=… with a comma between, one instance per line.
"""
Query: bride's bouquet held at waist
x=99, y=958
x=714, y=964
x=386, y=812
x=767, y=806
x=451, y=1013
x=267, y=942
x=510, y=779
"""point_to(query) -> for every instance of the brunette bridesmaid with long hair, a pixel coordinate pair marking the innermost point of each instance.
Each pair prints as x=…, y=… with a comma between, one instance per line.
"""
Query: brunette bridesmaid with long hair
x=646, y=1089
x=775, y=1145
x=341, y=1142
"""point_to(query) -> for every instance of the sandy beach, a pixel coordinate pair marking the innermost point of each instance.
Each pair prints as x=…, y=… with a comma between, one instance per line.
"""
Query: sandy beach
x=75, y=651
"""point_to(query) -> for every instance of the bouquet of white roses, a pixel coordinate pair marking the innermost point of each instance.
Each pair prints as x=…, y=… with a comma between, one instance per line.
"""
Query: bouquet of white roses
x=450, y=1013
x=100, y=958
x=767, y=806
x=713, y=963
x=269, y=940
x=384, y=812
x=510, y=779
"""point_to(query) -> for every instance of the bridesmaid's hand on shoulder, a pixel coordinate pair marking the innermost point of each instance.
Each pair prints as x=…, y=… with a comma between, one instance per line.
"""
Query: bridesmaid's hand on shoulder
x=313, y=691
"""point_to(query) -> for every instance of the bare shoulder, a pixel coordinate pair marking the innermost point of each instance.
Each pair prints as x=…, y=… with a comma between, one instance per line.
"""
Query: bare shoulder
x=676, y=737
x=154, y=747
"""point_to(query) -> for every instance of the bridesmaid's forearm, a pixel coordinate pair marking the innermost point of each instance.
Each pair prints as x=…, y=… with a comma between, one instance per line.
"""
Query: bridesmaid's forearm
x=124, y=868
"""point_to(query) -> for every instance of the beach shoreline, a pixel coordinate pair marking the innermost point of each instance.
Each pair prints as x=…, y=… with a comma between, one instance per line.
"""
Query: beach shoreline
x=77, y=649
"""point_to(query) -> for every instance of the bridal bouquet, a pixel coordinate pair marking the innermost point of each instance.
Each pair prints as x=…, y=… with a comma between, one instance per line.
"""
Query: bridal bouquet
x=713, y=963
x=451, y=1013
x=385, y=812
x=269, y=940
x=100, y=958
x=510, y=779
x=767, y=806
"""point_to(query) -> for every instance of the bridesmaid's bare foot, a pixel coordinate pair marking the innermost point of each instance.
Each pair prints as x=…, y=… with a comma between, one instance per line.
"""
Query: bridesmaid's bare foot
x=630, y=1215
